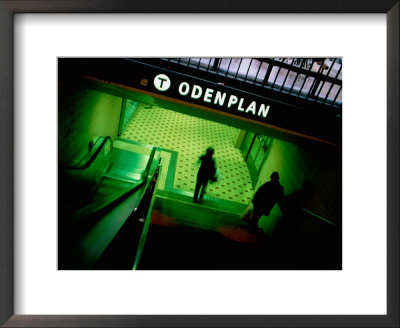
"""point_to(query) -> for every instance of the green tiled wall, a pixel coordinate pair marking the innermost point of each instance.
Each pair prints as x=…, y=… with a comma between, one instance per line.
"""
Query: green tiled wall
x=83, y=116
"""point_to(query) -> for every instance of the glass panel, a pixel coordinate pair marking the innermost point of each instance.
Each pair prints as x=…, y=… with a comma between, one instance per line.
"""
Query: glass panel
x=334, y=92
x=247, y=143
x=307, y=85
x=254, y=150
x=261, y=72
x=281, y=77
x=259, y=159
x=234, y=67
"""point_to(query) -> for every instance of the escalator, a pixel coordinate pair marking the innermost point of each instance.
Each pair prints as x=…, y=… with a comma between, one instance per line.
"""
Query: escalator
x=105, y=203
x=125, y=223
x=120, y=221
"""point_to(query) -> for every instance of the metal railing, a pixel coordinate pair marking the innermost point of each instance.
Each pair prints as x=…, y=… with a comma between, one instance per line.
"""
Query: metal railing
x=116, y=197
x=318, y=217
x=88, y=241
x=316, y=79
x=91, y=155
x=144, y=211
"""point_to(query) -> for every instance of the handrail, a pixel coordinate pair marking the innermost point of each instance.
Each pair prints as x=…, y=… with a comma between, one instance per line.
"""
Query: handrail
x=122, y=196
x=145, y=229
x=93, y=209
x=151, y=157
x=85, y=258
x=319, y=217
x=301, y=70
x=148, y=181
x=92, y=158
x=273, y=62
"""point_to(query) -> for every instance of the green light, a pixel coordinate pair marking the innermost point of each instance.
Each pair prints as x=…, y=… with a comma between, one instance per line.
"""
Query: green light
x=319, y=217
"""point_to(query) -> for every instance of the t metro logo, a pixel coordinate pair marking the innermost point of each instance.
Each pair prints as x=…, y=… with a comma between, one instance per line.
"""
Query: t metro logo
x=162, y=82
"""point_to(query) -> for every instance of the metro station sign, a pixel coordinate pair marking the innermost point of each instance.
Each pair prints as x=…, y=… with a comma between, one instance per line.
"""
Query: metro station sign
x=216, y=93
x=213, y=97
x=321, y=124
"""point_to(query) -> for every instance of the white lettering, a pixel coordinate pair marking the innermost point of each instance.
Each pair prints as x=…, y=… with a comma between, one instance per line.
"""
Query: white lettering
x=264, y=111
x=196, y=92
x=252, y=108
x=232, y=100
x=184, y=88
x=208, y=94
x=220, y=98
x=240, y=105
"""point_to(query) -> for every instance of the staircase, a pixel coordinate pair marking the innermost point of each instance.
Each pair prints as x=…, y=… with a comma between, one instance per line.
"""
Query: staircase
x=211, y=236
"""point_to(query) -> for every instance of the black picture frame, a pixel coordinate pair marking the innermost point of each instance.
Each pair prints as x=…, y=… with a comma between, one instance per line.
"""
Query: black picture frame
x=7, y=129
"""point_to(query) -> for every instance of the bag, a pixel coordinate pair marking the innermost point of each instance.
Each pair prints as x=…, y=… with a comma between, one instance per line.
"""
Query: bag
x=216, y=177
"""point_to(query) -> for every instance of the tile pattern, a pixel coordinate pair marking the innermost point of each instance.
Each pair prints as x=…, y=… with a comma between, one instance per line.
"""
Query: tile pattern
x=190, y=136
x=120, y=144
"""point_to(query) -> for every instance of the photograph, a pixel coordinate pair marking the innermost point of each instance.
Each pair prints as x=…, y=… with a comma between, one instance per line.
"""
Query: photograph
x=199, y=163
x=179, y=164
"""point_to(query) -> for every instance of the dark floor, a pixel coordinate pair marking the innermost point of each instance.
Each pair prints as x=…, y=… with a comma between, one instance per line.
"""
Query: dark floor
x=198, y=237
x=185, y=249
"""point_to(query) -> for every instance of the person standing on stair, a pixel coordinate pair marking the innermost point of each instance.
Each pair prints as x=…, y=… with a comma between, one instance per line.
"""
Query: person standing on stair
x=207, y=171
x=263, y=201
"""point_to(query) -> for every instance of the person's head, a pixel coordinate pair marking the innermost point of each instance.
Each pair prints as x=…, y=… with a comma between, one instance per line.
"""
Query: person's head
x=275, y=176
x=210, y=151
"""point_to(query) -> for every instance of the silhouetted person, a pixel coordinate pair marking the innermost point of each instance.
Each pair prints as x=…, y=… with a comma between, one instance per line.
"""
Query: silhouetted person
x=264, y=200
x=206, y=172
